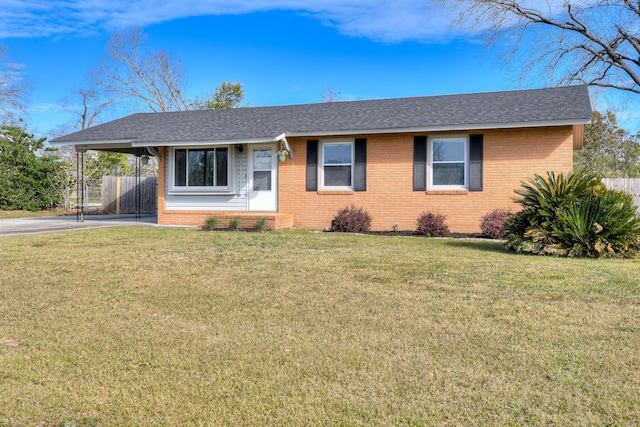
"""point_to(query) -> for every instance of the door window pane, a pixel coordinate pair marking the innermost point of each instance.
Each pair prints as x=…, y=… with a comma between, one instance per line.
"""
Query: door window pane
x=262, y=159
x=262, y=181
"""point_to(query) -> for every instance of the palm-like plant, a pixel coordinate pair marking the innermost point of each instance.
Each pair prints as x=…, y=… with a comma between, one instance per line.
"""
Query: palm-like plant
x=573, y=215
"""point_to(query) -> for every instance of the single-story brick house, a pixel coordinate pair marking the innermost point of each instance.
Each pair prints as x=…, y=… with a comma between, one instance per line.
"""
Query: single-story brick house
x=460, y=155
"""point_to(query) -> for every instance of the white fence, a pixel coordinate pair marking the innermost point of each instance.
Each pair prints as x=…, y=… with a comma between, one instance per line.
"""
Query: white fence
x=628, y=185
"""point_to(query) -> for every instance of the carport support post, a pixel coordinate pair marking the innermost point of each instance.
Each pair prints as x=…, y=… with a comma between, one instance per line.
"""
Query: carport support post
x=80, y=185
x=138, y=171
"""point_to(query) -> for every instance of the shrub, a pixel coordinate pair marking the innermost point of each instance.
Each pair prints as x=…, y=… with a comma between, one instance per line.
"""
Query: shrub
x=432, y=224
x=29, y=181
x=573, y=216
x=234, y=223
x=211, y=222
x=261, y=223
x=492, y=224
x=351, y=220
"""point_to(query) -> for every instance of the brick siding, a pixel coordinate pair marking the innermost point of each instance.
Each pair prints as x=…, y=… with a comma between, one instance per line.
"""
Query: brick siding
x=510, y=156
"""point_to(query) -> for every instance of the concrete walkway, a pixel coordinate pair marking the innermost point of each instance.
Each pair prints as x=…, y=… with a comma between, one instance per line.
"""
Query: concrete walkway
x=13, y=227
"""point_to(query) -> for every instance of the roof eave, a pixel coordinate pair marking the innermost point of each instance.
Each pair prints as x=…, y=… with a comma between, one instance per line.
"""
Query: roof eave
x=110, y=142
x=441, y=128
x=234, y=141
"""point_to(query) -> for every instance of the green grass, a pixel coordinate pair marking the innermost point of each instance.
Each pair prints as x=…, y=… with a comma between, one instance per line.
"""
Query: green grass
x=140, y=326
x=33, y=214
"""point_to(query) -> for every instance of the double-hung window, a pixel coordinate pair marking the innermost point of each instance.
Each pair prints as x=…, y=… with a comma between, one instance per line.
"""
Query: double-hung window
x=201, y=168
x=336, y=165
x=448, y=162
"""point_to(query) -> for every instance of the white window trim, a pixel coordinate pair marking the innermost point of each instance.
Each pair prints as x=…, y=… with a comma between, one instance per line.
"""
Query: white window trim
x=321, y=164
x=430, y=185
x=173, y=189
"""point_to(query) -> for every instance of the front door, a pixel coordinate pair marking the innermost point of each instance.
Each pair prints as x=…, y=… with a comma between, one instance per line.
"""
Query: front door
x=263, y=178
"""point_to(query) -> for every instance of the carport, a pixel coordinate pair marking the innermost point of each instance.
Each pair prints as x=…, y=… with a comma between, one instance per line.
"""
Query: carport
x=141, y=153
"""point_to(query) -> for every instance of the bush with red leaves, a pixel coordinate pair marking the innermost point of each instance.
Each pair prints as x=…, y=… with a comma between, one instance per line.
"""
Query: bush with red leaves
x=351, y=220
x=432, y=224
x=492, y=224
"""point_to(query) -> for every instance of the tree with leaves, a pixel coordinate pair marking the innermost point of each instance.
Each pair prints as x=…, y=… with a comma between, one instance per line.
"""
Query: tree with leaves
x=28, y=180
x=227, y=95
x=609, y=150
x=101, y=163
x=575, y=42
x=13, y=88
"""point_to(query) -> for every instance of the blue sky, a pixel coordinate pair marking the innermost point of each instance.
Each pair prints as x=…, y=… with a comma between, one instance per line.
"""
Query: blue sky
x=282, y=51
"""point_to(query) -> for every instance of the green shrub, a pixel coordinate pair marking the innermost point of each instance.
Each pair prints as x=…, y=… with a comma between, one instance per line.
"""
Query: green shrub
x=432, y=224
x=351, y=220
x=28, y=180
x=211, y=222
x=573, y=215
x=234, y=223
x=261, y=223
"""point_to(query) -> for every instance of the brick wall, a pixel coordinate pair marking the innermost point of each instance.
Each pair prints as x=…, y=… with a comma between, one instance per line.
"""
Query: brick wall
x=510, y=156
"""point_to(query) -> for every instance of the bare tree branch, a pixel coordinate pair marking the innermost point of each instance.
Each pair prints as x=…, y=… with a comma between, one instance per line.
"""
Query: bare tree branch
x=155, y=80
x=86, y=105
x=13, y=88
x=595, y=43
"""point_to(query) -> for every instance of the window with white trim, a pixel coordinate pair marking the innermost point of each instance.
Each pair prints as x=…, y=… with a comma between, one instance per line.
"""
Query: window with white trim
x=448, y=159
x=336, y=164
x=201, y=167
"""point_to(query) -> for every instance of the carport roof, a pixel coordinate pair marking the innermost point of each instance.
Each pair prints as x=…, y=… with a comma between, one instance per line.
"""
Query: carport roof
x=509, y=109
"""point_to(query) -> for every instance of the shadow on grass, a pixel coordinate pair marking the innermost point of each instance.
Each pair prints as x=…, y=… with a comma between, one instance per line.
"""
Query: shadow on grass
x=479, y=245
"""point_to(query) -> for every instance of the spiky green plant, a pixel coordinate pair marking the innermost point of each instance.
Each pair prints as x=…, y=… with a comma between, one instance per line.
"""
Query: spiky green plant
x=211, y=222
x=234, y=223
x=261, y=223
x=601, y=224
x=573, y=215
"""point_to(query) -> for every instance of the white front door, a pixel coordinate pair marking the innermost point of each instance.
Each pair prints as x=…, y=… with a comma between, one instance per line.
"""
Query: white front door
x=263, y=178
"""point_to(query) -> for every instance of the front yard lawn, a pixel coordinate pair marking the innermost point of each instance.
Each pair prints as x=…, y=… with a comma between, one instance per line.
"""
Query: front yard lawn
x=141, y=326
x=34, y=214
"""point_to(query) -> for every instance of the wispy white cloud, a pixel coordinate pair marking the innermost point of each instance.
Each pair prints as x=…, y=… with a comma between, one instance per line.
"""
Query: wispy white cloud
x=45, y=107
x=380, y=20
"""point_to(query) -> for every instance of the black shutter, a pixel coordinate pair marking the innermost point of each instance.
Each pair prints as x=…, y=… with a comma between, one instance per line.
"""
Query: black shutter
x=360, y=173
x=312, y=165
x=419, y=163
x=475, y=162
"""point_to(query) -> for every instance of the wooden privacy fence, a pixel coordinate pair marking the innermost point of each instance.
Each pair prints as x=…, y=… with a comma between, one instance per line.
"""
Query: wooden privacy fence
x=628, y=185
x=119, y=195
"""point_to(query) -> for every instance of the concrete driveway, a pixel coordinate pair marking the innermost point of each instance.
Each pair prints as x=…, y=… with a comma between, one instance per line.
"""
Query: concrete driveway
x=13, y=227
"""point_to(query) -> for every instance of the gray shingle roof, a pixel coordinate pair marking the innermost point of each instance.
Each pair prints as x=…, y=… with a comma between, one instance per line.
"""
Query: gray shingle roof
x=564, y=105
